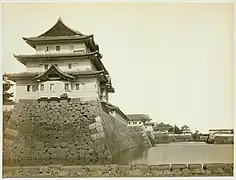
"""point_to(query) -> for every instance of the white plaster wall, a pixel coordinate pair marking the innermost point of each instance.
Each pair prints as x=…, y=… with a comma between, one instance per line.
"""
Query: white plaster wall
x=64, y=48
x=132, y=123
x=21, y=91
x=77, y=65
x=90, y=90
x=118, y=117
x=148, y=128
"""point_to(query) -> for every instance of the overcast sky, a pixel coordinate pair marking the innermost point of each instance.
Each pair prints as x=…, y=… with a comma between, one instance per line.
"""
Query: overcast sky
x=171, y=61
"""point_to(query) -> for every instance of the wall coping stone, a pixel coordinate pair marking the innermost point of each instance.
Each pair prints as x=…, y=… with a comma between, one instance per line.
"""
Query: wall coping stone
x=112, y=170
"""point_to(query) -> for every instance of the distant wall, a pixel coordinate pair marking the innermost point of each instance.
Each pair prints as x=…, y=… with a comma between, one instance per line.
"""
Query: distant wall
x=75, y=132
x=162, y=170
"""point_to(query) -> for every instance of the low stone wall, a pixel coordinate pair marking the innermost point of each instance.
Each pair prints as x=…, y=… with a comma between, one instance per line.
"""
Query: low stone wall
x=163, y=170
x=62, y=132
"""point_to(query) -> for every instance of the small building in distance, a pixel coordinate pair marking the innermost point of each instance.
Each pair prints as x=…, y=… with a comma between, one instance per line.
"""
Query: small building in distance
x=115, y=111
x=186, y=130
x=161, y=128
x=149, y=126
x=138, y=119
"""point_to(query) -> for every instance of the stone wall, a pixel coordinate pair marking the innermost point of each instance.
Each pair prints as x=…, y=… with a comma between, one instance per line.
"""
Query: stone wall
x=163, y=170
x=75, y=132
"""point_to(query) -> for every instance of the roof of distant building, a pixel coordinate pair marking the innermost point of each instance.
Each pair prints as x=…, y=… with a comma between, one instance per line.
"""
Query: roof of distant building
x=138, y=117
x=117, y=109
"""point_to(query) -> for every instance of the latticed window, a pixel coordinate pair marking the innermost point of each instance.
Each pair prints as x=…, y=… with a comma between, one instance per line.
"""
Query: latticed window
x=46, y=66
x=51, y=87
x=67, y=87
x=41, y=87
x=77, y=87
x=69, y=66
x=58, y=48
x=28, y=88
x=34, y=88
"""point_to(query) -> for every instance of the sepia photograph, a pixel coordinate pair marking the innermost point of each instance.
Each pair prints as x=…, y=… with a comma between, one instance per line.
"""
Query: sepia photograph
x=117, y=90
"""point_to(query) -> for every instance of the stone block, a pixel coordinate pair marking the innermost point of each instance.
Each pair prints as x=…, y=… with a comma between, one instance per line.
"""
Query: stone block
x=194, y=166
x=160, y=167
x=30, y=170
x=100, y=135
x=63, y=173
x=178, y=166
x=143, y=167
x=92, y=126
x=186, y=172
x=93, y=136
x=176, y=172
x=217, y=171
x=136, y=173
x=11, y=133
x=94, y=168
x=206, y=172
x=211, y=166
x=99, y=128
x=126, y=168
x=157, y=173
x=167, y=173
x=196, y=171
x=98, y=119
x=228, y=169
x=7, y=143
x=64, y=144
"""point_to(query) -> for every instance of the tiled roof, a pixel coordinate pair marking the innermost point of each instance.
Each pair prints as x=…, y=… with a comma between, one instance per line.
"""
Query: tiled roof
x=51, y=55
x=134, y=117
x=53, y=69
x=61, y=33
x=117, y=109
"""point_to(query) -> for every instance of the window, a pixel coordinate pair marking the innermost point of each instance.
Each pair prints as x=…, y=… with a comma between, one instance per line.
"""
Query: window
x=129, y=123
x=77, y=87
x=46, y=66
x=67, y=87
x=41, y=87
x=58, y=48
x=82, y=86
x=71, y=47
x=34, y=88
x=48, y=48
x=139, y=122
x=28, y=88
x=51, y=87
x=69, y=66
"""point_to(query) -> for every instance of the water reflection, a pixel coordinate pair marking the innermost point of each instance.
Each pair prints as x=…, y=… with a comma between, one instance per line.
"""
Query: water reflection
x=132, y=156
x=177, y=153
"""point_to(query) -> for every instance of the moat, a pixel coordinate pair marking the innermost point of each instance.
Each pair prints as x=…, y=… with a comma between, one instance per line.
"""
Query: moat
x=176, y=153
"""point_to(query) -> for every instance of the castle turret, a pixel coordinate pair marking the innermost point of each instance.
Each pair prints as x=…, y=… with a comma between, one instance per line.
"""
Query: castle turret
x=65, y=61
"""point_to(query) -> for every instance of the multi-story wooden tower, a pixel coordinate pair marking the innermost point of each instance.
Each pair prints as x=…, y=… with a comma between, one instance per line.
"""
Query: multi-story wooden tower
x=66, y=61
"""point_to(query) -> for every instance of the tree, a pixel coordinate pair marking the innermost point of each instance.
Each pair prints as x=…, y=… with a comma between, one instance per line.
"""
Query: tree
x=177, y=130
x=196, y=135
x=170, y=129
x=6, y=86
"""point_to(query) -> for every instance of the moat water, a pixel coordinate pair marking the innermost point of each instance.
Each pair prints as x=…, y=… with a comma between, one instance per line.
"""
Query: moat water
x=172, y=153
x=176, y=153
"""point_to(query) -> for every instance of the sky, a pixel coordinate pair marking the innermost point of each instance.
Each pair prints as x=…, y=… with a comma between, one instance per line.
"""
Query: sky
x=171, y=61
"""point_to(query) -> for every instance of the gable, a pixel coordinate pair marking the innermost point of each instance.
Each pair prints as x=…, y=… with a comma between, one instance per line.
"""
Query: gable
x=54, y=73
x=60, y=29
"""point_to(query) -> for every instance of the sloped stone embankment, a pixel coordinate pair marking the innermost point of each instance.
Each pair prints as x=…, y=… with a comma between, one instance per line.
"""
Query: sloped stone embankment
x=75, y=132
